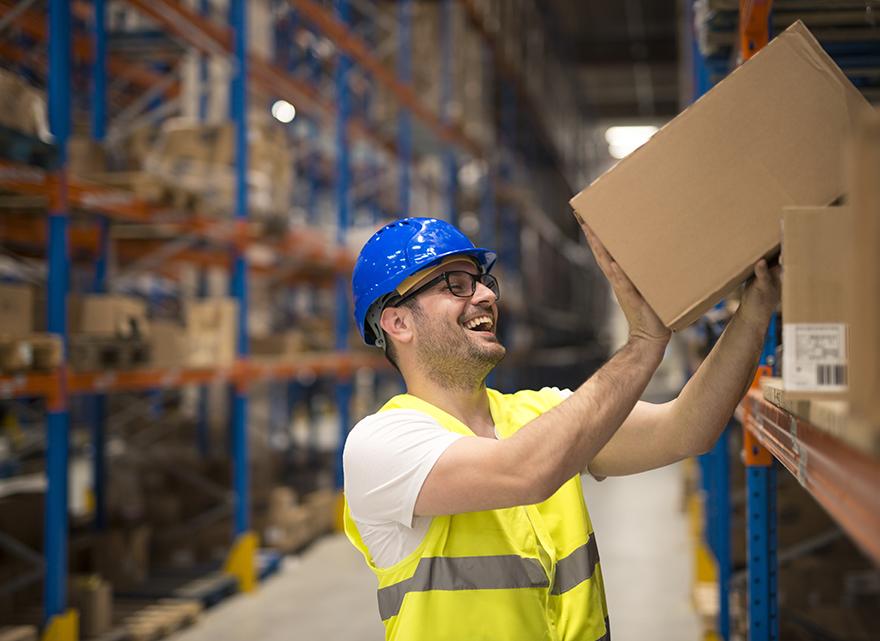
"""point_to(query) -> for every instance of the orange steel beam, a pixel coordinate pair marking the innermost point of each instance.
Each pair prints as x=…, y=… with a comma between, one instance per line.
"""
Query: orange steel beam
x=754, y=26
x=242, y=371
x=23, y=179
x=23, y=385
x=843, y=480
x=32, y=230
x=342, y=36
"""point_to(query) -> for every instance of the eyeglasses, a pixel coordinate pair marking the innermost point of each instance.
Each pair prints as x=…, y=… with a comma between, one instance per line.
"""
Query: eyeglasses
x=461, y=283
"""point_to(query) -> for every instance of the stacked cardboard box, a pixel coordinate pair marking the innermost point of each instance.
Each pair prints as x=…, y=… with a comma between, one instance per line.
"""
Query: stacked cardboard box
x=816, y=249
x=122, y=556
x=108, y=315
x=864, y=183
x=200, y=159
x=21, y=349
x=288, y=343
x=16, y=309
x=107, y=332
x=289, y=525
x=22, y=107
x=92, y=596
x=207, y=337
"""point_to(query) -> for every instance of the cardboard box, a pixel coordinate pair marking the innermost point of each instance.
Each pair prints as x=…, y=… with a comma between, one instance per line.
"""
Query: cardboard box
x=23, y=107
x=169, y=347
x=689, y=213
x=864, y=179
x=85, y=157
x=288, y=343
x=93, y=597
x=817, y=254
x=123, y=556
x=108, y=315
x=18, y=633
x=16, y=309
x=212, y=331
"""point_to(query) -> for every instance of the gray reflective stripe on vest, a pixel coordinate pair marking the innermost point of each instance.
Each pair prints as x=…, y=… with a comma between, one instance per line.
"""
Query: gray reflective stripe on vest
x=464, y=573
x=577, y=567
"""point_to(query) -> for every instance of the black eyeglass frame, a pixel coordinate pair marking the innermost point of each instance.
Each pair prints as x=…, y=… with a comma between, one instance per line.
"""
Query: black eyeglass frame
x=485, y=278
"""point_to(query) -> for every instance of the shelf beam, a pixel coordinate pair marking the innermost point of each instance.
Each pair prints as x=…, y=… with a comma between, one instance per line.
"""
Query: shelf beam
x=843, y=480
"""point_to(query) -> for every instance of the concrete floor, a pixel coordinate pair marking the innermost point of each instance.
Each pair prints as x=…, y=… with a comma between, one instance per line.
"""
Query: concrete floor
x=328, y=593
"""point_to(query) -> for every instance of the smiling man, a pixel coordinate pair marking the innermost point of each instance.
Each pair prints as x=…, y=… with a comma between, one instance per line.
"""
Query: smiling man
x=467, y=503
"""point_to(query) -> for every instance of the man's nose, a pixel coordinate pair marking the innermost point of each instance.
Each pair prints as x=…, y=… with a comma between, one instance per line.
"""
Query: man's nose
x=483, y=293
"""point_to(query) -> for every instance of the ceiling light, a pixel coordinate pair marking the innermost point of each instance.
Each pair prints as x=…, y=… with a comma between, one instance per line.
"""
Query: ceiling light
x=283, y=111
x=623, y=140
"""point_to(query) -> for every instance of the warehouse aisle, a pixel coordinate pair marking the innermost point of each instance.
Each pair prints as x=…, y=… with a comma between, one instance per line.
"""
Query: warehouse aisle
x=646, y=555
x=328, y=593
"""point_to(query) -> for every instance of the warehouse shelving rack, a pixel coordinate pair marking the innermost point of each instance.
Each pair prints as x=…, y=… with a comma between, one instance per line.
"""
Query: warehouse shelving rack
x=324, y=114
x=841, y=479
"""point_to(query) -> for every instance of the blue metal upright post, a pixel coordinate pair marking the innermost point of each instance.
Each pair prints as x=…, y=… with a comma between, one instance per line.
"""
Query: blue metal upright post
x=242, y=559
x=343, y=202
x=761, y=544
x=449, y=160
x=404, y=118
x=99, y=284
x=57, y=419
x=99, y=72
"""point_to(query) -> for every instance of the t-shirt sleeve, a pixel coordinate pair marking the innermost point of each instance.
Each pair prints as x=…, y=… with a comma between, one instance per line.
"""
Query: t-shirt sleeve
x=386, y=459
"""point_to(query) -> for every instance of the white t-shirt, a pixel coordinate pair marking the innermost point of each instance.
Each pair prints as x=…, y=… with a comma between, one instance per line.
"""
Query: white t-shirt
x=386, y=459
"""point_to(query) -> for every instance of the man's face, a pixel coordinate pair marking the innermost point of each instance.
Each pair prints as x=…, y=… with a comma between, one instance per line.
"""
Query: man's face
x=455, y=337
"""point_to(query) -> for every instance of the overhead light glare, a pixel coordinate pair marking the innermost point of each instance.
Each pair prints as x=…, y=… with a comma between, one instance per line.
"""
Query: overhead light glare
x=283, y=111
x=623, y=140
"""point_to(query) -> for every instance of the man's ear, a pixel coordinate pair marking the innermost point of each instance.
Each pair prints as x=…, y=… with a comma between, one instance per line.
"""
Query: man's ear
x=397, y=322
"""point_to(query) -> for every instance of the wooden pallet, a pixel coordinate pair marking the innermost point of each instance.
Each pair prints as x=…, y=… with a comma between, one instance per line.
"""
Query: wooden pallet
x=18, y=633
x=152, y=620
x=207, y=588
x=30, y=353
x=89, y=353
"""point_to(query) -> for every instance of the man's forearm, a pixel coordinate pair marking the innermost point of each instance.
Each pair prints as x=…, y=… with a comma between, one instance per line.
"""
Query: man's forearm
x=709, y=399
x=560, y=443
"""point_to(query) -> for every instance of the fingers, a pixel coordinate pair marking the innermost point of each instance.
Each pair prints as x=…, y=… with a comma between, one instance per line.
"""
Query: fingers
x=762, y=271
x=603, y=258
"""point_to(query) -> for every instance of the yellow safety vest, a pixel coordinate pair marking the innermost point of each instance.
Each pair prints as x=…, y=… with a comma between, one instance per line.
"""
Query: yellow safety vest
x=525, y=573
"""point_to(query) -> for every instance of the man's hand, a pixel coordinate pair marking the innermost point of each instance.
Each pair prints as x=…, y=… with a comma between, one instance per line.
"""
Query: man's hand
x=643, y=321
x=761, y=296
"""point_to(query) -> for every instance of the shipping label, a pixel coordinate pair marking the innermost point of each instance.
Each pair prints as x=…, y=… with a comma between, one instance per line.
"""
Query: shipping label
x=814, y=357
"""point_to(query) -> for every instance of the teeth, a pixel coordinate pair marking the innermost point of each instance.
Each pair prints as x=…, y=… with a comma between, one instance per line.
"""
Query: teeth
x=474, y=322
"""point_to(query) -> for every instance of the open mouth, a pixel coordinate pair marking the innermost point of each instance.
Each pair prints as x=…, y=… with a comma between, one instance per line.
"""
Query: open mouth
x=480, y=324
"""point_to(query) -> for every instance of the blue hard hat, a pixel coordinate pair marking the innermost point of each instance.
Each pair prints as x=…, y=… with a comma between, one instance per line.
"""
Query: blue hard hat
x=396, y=252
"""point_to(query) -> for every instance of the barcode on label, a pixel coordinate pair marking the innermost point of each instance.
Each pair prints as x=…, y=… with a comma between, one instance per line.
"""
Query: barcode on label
x=831, y=374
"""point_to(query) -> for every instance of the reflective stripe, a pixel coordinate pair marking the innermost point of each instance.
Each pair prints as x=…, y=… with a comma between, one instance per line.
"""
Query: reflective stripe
x=464, y=573
x=577, y=567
